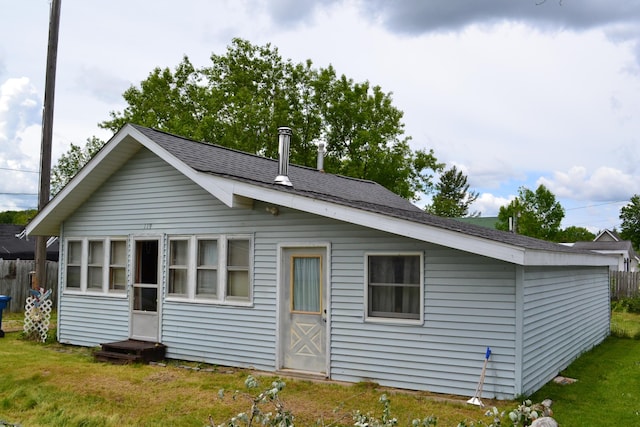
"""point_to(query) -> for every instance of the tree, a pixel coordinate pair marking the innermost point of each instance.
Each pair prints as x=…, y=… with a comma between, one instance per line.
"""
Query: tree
x=241, y=99
x=574, y=234
x=452, y=198
x=72, y=161
x=630, y=216
x=17, y=217
x=535, y=214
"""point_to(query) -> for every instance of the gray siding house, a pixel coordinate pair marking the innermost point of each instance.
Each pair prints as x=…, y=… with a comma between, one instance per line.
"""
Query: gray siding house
x=196, y=246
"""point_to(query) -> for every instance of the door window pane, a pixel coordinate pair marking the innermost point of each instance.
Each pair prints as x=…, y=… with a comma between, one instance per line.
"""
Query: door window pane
x=306, y=284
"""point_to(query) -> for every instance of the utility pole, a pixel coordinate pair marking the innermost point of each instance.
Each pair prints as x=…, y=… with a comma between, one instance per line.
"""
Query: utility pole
x=47, y=136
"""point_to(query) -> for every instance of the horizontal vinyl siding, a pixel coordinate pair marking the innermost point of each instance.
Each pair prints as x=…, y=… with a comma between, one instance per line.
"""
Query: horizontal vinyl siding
x=566, y=312
x=469, y=300
x=469, y=305
x=92, y=320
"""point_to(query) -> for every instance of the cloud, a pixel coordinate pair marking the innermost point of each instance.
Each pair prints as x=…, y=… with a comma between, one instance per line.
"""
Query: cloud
x=417, y=16
x=20, y=107
x=101, y=85
x=489, y=205
x=605, y=184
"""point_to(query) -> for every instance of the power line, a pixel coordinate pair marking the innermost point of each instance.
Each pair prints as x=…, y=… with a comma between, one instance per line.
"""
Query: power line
x=18, y=194
x=18, y=170
x=593, y=206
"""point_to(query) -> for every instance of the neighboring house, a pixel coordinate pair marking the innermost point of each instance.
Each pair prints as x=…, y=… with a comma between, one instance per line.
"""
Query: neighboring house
x=15, y=244
x=17, y=263
x=610, y=243
x=195, y=246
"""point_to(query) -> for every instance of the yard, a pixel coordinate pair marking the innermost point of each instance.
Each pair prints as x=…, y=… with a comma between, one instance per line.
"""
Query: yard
x=56, y=385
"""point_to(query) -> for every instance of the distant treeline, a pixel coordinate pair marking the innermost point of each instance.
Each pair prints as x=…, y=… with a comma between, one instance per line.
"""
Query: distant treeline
x=17, y=217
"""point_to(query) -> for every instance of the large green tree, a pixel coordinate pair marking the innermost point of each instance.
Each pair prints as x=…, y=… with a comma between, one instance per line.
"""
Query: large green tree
x=630, y=216
x=534, y=213
x=452, y=197
x=241, y=99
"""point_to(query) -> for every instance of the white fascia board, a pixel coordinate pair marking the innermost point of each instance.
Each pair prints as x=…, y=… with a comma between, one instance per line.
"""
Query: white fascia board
x=448, y=238
x=541, y=258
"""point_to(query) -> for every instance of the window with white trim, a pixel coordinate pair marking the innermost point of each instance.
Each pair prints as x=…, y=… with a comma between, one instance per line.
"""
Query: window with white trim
x=394, y=286
x=210, y=268
x=96, y=265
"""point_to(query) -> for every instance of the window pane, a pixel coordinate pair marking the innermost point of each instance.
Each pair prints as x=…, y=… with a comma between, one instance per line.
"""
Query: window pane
x=96, y=255
x=238, y=284
x=145, y=299
x=178, y=281
x=238, y=253
x=118, y=252
x=306, y=284
x=73, y=276
x=207, y=252
x=179, y=252
x=94, y=278
x=207, y=283
x=395, y=301
x=394, y=269
x=118, y=279
x=74, y=253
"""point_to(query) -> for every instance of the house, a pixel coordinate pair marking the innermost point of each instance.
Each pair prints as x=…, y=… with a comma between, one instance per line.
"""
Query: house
x=610, y=243
x=14, y=244
x=237, y=260
x=17, y=264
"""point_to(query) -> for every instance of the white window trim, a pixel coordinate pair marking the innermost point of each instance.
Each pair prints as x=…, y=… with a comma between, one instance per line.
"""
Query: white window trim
x=393, y=320
x=84, y=267
x=221, y=292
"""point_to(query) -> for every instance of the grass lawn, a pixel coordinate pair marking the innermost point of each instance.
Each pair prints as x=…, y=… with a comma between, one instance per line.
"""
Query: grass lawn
x=56, y=385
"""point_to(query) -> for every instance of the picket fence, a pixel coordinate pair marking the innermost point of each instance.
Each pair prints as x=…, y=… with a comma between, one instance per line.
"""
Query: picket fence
x=15, y=281
x=624, y=284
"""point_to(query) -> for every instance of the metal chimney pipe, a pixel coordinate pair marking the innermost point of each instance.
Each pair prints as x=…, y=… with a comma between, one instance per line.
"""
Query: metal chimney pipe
x=284, y=141
x=321, y=156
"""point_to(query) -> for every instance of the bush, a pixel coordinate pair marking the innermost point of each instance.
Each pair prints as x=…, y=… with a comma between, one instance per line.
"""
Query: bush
x=626, y=305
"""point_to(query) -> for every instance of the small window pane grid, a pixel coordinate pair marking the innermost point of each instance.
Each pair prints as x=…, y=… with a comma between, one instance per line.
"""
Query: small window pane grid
x=96, y=265
x=215, y=269
x=394, y=286
x=209, y=268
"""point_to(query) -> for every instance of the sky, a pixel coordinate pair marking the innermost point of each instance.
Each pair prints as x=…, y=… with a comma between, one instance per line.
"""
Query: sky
x=513, y=93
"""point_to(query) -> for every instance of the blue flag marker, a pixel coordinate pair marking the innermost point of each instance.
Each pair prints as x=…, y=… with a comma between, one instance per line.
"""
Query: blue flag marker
x=488, y=355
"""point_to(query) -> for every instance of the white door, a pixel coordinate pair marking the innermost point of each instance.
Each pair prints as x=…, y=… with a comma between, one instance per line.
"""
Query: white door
x=144, y=305
x=303, y=315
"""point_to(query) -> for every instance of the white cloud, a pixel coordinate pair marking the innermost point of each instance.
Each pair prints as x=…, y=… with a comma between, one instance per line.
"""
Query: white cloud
x=605, y=184
x=489, y=204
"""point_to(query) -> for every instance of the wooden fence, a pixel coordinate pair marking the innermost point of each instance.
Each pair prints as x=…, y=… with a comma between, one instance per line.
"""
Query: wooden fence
x=15, y=281
x=624, y=284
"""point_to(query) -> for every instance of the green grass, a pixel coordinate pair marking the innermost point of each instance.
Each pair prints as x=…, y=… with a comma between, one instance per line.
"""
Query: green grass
x=57, y=385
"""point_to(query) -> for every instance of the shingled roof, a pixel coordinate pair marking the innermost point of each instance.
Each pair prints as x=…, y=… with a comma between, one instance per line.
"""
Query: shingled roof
x=15, y=245
x=309, y=182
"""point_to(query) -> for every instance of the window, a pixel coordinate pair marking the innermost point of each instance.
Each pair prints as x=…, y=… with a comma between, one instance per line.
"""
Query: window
x=178, y=268
x=74, y=264
x=96, y=260
x=238, y=269
x=210, y=268
x=118, y=265
x=394, y=286
x=96, y=265
x=207, y=274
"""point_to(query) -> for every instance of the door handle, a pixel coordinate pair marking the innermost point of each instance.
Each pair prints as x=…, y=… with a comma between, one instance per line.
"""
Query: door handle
x=324, y=315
